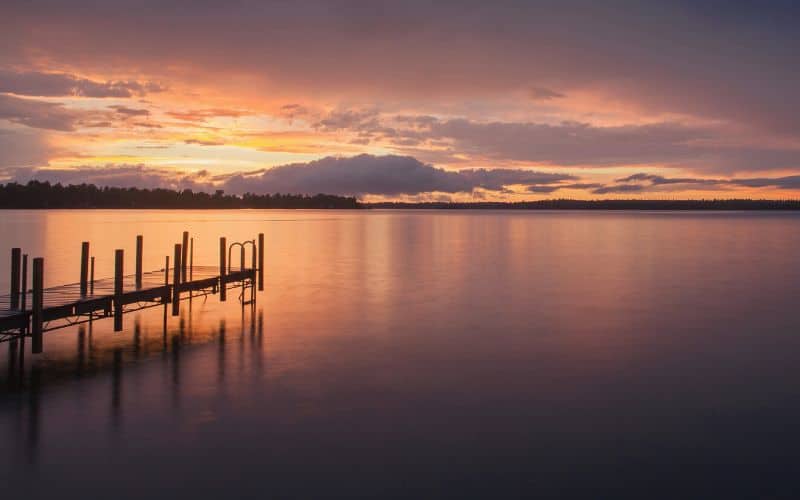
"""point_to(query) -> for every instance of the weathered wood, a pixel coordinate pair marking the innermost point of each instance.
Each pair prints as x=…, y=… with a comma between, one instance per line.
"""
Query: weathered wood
x=84, y=268
x=184, y=255
x=223, y=246
x=176, y=281
x=91, y=276
x=38, y=301
x=260, y=261
x=139, y=249
x=16, y=257
x=191, y=257
x=23, y=302
x=203, y=284
x=92, y=305
x=119, y=258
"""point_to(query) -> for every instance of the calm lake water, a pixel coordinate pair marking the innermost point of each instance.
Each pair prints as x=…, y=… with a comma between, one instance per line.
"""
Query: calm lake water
x=422, y=354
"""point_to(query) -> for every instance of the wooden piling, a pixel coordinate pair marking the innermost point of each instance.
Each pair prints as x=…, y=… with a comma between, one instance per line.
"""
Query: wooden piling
x=119, y=259
x=176, y=281
x=184, y=255
x=84, y=268
x=91, y=276
x=260, y=262
x=191, y=258
x=38, y=303
x=16, y=255
x=139, y=248
x=24, y=300
x=166, y=271
x=223, y=246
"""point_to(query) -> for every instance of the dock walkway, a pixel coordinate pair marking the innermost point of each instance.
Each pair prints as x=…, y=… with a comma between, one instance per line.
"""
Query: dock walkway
x=31, y=311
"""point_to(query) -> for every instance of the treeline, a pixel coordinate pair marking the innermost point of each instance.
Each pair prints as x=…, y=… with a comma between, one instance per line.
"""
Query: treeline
x=742, y=204
x=37, y=194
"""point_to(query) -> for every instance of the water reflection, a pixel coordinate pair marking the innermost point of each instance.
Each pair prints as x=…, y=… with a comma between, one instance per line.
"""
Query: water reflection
x=111, y=358
x=459, y=354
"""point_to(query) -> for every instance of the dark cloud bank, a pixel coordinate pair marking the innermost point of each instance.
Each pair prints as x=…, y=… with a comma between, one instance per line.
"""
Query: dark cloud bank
x=376, y=175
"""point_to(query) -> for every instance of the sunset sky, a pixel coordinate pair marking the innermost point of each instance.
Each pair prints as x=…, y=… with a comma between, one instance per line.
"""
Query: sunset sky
x=500, y=100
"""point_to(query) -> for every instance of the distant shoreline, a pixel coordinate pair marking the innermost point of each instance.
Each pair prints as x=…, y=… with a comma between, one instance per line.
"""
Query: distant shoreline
x=43, y=195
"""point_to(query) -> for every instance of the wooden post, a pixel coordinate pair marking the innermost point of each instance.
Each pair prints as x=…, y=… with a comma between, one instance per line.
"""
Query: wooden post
x=184, y=255
x=223, y=246
x=176, y=281
x=16, y=254
x=84, y=268
x=119, y=258
x=166, y=271
x=241, y=258
x=260, y=261
x=38, y=304
x=91, y=276
x=24, y=281
x=139, y=248
x=191, y=257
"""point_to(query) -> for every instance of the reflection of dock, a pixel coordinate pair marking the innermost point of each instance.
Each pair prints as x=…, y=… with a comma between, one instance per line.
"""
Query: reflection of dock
x=30, y=312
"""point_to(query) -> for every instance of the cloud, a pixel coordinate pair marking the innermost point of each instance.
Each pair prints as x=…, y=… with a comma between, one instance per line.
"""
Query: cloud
x=543, y=94
x=34, y=83
x=381, y=175
x=22, y=148
x=734, y=64
x=124, y=110
x=621, y=188
x=201, y=115
x=204, y=142
x=38, y=114
x=117, y=175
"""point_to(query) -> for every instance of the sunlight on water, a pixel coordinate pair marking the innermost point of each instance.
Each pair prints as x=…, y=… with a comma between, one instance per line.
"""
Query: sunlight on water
x=457, y=348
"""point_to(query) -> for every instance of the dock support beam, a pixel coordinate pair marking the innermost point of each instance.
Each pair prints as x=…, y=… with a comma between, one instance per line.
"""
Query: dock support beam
x=223, y=246
x=139, y=247
x=84, y=268
x=184, y=256
x=38, y=304
x=16, y=254
x=176, y=281
x=119, y=259
x=260, y=262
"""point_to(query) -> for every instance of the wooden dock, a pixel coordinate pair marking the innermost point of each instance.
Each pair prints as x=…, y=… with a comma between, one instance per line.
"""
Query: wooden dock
x=31, y=311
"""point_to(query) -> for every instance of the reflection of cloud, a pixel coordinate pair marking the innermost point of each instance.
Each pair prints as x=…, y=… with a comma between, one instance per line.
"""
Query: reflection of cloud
x=34, y=83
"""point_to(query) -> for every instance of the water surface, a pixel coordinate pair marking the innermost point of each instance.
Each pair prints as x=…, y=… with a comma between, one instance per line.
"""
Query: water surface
x=419, y=354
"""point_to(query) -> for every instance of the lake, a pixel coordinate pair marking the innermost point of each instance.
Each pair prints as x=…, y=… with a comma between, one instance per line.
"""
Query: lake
x=421, y=354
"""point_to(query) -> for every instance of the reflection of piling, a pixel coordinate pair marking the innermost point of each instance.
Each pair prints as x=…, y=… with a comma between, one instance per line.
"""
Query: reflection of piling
x=139, y=248
x=16, y=259
x=222, y=270
x=260, y=262
x=84, y=268
x=38, y=303
x=176, y=281
x=119, y=257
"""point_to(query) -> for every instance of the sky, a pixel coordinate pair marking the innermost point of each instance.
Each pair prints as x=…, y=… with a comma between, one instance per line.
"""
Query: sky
x=412, y=100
